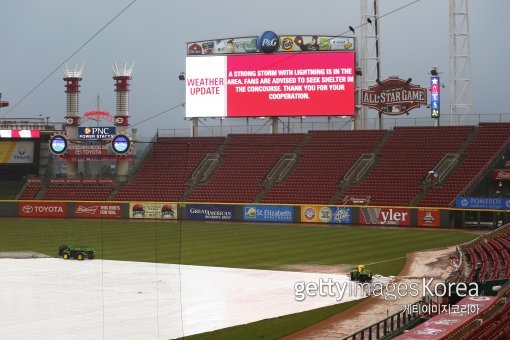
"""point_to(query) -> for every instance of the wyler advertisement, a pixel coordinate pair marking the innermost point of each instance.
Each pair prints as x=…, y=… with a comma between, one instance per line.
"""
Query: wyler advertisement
x=325, y=214
x=210, y=212
x=268, y=213
x=153, y=210
x=385, y=216
x=97, y=210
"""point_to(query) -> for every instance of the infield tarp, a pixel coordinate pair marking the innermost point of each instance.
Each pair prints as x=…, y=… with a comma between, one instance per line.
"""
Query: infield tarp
x=102, y=299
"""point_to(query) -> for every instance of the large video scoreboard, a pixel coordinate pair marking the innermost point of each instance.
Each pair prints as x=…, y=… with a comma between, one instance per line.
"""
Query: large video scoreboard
x=298, y=76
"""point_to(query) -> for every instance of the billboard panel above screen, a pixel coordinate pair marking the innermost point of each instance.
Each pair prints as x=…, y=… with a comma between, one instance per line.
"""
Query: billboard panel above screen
x=271, y=85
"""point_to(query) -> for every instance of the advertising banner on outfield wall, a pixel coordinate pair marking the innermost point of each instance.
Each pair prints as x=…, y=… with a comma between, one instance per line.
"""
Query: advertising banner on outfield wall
x=268, y=213
x=429, y=217
x=167, y=211
x=482, y=203
x=42, y=209
x=325, y=214
x=16, y=152
x=385, y=216
x=96, y=210
x=215, y=212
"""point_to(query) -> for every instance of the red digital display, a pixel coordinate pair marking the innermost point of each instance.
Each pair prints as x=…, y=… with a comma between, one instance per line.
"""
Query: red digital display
x=271, y=85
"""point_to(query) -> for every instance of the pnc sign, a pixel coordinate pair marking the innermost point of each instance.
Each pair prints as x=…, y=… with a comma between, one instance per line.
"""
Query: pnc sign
x=96, y=133
x=394, y=96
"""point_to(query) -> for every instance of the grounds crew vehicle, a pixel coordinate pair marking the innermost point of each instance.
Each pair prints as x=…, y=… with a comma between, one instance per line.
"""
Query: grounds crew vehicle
x=361, y=274
x=77, y=252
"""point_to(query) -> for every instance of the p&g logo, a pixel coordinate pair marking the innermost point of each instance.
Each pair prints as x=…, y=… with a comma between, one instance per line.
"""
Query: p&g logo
x=268, y=42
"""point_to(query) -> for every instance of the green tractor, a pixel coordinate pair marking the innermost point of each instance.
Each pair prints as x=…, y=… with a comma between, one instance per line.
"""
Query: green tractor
x=361, y=274
x=77, y=252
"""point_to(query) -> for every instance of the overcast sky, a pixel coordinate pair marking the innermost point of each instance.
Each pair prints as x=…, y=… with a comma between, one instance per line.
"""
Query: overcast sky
x=37, y=36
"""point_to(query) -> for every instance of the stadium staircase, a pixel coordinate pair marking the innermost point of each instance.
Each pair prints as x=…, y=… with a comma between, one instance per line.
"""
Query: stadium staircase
x=203, y=172
x=358, y=172
x=282, y=169
x=247, y=159
x=30, y=192
x=479, y=157
x=404, y=162
x=326, y=157
x=163, y=176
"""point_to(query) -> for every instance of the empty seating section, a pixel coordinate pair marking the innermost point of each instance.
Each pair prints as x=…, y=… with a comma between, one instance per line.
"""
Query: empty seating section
x=496, y=327
x=404, y=161
x=326, y=157
x=488, y=258
x=163, y=175
x=405, y=155
x=30, y=192
x=477, y=155
x=77, y=192
x=246, y=160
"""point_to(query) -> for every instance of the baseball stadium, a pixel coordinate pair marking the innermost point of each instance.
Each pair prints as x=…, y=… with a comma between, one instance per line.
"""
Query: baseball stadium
x=333, y=228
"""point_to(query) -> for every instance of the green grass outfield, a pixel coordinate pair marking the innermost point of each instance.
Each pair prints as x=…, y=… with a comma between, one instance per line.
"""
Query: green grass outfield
x=237, y=245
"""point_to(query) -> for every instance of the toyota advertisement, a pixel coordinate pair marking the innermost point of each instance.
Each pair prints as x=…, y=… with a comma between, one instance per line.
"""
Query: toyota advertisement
x=43, y=209
x=271, y=85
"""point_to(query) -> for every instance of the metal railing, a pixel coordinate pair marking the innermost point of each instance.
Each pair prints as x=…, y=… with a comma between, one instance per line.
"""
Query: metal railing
x=218, y=127
x=391, y=325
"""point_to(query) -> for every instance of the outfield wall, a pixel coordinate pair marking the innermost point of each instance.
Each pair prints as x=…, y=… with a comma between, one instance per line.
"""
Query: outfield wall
x=300, y=213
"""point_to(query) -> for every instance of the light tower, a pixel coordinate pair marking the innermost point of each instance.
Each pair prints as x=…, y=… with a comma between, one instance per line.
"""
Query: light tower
x=460, y=61
x=122, y=76
x=370, y=52
x=72, y=77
